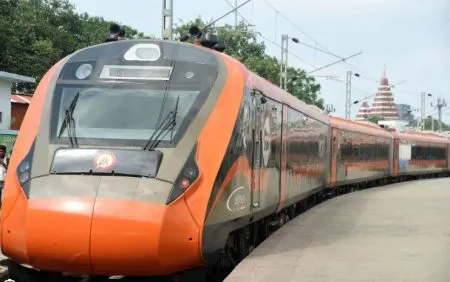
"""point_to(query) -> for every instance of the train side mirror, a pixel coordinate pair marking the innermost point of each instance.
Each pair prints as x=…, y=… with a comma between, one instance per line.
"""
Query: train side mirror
x=210, y=40
x=195, y=32
x=220, y=46
x=185, y=38
x=206, y=39
x=116, y=33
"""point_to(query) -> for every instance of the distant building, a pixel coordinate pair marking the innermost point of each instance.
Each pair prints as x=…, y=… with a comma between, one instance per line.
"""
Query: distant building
x=404, y=112
x=364, y=112
x=6, y=81
x=398, y=125
x=383, y=105
x=19, y=106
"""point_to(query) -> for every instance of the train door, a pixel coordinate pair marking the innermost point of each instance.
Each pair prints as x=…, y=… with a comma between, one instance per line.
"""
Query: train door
x=334, y=155
x=395, y=159
x=448, y=156
x=257, y=132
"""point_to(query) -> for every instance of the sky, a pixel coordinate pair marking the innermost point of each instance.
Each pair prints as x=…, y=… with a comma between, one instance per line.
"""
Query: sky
x=410, y=39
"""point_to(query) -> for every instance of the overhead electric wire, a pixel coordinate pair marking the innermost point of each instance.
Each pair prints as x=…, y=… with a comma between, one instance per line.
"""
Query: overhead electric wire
x=327, y=50
x=318, y=49
x=336, y=62
x=272, y=41
x=324, y=50
x=298, y=28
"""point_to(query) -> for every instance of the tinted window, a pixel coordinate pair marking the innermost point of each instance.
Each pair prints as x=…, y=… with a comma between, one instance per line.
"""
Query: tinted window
x=124, y=116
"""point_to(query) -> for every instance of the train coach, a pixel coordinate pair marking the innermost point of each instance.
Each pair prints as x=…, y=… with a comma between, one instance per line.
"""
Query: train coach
x=420, y=153
x=361, y=153
x=144, y=158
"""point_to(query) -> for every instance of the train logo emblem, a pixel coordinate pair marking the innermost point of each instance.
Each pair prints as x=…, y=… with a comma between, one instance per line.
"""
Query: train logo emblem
x=237, y=201
x=105, y=160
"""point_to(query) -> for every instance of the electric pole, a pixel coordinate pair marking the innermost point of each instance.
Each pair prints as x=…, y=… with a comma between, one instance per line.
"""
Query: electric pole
x=432, y=123
x=348, y=94
x=167, y=19
x=441, y=103
x=423, y=95
x=422, y=110
x=284, y=61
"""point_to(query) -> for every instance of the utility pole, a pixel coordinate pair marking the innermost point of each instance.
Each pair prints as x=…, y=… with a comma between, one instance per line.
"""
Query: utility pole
x=284, y=61
x=441, y=103
x=423, y=95
x=432, y=123
x=422, y=111
x=167, y=19
x=348, y=94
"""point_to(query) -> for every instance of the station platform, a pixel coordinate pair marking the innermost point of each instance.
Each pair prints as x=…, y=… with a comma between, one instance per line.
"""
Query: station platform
x=398, y=232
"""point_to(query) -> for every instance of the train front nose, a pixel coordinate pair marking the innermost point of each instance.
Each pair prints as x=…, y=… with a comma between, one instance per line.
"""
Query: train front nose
x=51, y=229
x=140, y=235
x=103, y=226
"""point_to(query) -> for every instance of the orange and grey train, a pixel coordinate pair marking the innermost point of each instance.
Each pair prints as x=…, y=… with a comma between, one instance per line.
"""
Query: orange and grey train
x=146, y=158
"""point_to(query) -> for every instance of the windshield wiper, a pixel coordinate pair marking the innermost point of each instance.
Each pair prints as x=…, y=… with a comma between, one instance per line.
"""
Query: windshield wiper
x=69, y=122
x=167, y=124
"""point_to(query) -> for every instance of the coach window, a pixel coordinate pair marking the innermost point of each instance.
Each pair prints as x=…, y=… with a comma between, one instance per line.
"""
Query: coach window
x=381, y=150
x=433, y=153
x=316, y=151
x=385, y=150
x=429, y=153
x=372, y=151
x=349, y=151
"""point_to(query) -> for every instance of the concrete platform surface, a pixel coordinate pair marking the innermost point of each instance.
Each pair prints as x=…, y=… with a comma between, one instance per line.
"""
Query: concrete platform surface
x=399, y=232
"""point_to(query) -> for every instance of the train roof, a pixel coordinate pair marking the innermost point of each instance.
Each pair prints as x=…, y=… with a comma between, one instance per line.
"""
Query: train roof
x=252, y=79
x=274, y=92
x=362, y=127
x=422, y=136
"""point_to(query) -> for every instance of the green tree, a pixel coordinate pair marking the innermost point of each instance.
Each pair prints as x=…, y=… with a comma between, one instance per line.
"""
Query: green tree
x=35, y=34
x=374, y=119
x=243, y=45
x=433, y=124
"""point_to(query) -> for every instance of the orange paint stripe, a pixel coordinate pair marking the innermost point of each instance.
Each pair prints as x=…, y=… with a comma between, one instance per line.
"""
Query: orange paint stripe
x=214, y=139
x=240, y=166
x=12, y=192
x=426, y=163
x=27, y=134
x=358, y=166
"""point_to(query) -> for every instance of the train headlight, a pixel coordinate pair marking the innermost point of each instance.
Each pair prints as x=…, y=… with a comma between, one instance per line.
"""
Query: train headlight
x=189, y=174
x=84, y=71
x=24, y=170
x=143, y=52
x=24, y=177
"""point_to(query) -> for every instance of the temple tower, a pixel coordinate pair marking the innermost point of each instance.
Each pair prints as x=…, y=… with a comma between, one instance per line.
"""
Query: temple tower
x=383, y=105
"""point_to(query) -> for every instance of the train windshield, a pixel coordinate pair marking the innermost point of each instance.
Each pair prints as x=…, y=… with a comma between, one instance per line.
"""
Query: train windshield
x=111, y=115
x=124, y=91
